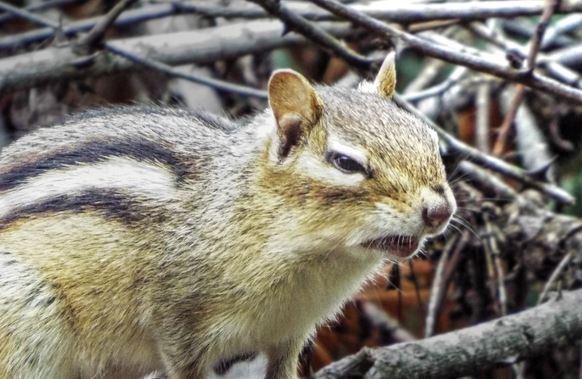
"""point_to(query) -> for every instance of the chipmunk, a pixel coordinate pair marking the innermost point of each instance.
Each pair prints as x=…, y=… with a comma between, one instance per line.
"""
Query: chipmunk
x=142, y=239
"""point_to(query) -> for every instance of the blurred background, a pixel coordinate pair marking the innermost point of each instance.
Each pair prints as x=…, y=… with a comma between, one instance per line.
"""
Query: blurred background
x=514, y=239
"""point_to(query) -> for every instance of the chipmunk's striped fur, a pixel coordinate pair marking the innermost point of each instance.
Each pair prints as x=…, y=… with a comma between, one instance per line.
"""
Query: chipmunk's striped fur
x=134, y=240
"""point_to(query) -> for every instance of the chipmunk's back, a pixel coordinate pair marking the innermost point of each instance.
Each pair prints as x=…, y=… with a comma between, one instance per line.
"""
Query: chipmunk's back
x=81, y=209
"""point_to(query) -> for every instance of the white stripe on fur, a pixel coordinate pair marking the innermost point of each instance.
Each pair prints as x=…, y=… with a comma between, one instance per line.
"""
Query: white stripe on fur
x=119, y=173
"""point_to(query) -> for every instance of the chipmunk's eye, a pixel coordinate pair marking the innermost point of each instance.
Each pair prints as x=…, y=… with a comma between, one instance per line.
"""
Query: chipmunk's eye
x=346, y=164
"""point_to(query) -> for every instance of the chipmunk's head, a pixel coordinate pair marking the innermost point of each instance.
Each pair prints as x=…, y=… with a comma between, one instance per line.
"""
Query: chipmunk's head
x=356, y=170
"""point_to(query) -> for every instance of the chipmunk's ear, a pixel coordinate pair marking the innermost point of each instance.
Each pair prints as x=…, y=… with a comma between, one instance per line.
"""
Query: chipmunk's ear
x=295, y=105
x=385, y=82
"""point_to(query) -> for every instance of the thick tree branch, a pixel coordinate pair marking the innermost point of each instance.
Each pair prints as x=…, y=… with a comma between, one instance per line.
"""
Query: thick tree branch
x=471, y=350
x=200, y=46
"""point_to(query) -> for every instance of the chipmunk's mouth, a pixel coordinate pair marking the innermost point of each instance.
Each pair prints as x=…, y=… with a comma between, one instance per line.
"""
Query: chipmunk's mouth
x=399, y=245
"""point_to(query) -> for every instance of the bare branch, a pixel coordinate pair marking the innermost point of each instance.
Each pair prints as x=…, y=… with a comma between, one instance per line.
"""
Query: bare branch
x=440, y=283
x=28, y=16
x=89, y=41
x=488, y=65
x=200, y=46
x=314, y=33
x=482, y=120
x=535, y=44
x=37, y=7
x=552, y=65
x=219, y=85
x=554, y=277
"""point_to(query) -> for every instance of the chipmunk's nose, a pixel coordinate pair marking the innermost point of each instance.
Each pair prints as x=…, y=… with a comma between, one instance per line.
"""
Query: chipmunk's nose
x=436, y=215
x=438, y=205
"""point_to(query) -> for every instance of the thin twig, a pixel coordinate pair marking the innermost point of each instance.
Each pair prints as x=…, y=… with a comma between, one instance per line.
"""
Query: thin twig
x=482, y=119
x=550, y=63
x=427, y=74
x=440, y=88
x=535, y=44
x=28, y=16
x=505, y=128
x=438, y=288
x=482, y=63
x=491, y=248
x=95, y=36
x=488, y=182
x=554, y=277
x=314, y=33
x=219, y=85
x=38, y=7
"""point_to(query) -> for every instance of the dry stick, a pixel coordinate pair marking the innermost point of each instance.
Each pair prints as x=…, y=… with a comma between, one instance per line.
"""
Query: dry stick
x=37, y=8
x=505, y=128
x=90, y=41
x=202, y=46
x=535, y=44
x=554, y=68
x=555, y=275
x=438, y=287
x=440, y=88
x=379, y=317
x=27, y=15
x=451, y=55
x=482, y=119
x=219, y=85
x=491, y=248
x=488, y=182
x=565, y=25
x=427, y=74
x=312, y=32
x=465, y=151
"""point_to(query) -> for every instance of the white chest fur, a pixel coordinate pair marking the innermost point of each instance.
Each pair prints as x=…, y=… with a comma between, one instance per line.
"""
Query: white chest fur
x=309, y=295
